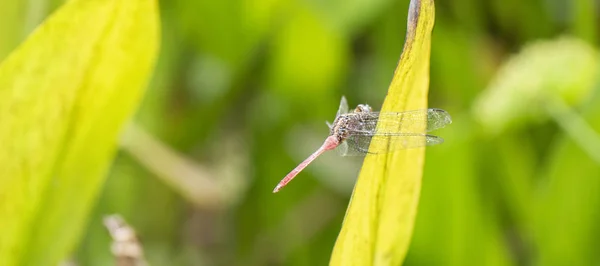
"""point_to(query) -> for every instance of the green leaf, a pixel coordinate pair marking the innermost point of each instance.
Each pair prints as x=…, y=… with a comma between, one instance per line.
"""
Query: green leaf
x=379, y=221
x=65, y=93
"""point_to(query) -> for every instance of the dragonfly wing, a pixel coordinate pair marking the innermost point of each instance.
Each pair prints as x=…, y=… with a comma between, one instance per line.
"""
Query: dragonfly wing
x=347, y=148
x=437, y=118
x=408, y=121
x=343, y=109
x=342, y=149
x=384, y=143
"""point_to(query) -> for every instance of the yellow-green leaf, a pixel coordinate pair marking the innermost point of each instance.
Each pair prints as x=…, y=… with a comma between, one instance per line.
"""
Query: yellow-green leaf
x=380, y=219
x=64, y=95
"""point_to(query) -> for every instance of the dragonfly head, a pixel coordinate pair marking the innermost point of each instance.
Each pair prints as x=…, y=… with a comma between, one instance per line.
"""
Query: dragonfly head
x=363, y=108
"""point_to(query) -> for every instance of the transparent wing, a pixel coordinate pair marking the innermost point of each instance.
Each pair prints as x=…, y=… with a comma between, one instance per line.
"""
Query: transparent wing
x=346, y=149
x=401, y=122
x=342, y=149
x=383, y=143
x=343, y=109
x=330, y=125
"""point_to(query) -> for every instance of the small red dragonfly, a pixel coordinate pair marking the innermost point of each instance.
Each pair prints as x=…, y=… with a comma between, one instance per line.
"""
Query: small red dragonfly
x=352, y=132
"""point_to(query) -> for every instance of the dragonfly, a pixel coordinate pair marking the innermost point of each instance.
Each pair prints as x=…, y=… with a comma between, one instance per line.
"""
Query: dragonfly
x=353, y=132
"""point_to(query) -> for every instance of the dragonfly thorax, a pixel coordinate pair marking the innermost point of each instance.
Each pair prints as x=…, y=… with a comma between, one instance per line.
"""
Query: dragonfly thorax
x=344, y=124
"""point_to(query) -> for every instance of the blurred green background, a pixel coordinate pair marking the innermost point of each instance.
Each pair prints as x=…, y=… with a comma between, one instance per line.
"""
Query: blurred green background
x=243, y=88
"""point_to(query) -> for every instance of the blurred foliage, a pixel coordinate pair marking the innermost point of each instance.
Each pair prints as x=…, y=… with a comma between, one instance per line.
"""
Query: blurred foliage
x=65, y=94
x=562, y=69
x=242, y=89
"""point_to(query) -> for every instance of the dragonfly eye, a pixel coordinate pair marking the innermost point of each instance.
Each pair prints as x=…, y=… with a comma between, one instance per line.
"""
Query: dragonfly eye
x=363, y=108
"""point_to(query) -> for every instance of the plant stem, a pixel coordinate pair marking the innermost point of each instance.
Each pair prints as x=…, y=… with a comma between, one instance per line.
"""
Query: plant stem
x=575, y=126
